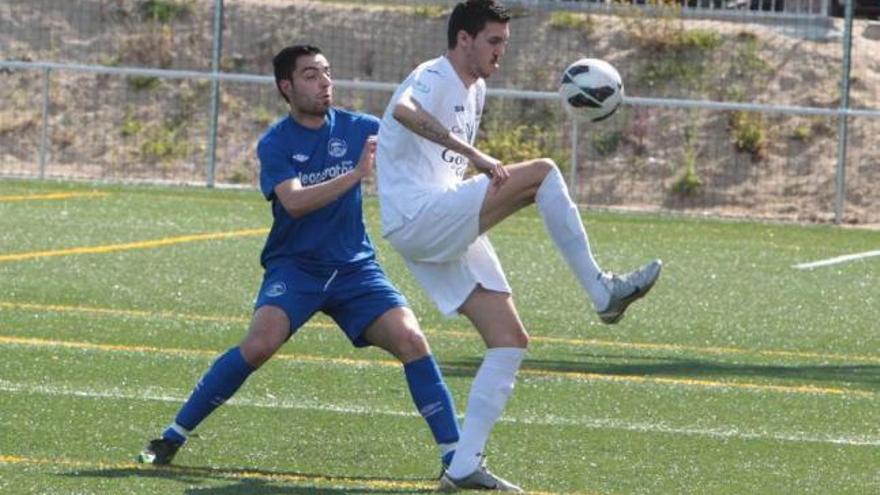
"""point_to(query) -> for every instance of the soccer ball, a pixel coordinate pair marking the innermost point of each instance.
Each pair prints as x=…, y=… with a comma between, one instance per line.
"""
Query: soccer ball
x=591, y=90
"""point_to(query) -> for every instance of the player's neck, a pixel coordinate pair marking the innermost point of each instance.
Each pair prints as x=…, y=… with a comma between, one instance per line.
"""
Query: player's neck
x=457, y=60
x=309, y=121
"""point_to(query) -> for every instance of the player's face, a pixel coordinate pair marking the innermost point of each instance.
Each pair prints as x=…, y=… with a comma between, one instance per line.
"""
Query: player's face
x=488, y=47
x=311, y=86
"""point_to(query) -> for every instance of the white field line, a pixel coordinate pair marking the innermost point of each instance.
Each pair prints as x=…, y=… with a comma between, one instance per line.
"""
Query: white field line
x=836, y=260
x=724, y=432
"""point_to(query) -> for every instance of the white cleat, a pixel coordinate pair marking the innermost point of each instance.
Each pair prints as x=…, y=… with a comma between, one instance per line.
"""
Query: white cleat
x=481, y=479
x=627, y=289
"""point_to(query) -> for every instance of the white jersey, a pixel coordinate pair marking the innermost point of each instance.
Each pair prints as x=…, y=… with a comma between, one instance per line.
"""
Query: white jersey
x=409, y=167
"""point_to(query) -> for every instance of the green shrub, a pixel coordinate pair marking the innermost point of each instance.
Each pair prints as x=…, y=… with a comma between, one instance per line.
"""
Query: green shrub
x=263, y=117
x=675, y=55
x=607, y=142
x=143, y=83
x=749, y=133
x=747, y=60
x=429, y=11
x=689, y=183
x=698, y=39
x=242, y=174
x=512, y=144
x=163, y=143
x=131, y=126
x=164, y=11
x=571, y=20
x=802, y=132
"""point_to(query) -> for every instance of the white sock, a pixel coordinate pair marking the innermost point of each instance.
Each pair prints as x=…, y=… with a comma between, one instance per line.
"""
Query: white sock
x=563, y=223
x=489, y=393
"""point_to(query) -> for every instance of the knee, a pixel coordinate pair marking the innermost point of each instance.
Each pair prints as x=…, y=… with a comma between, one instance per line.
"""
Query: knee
x=546, y=166
x=521, y=339
x=411, y=344
x=518, y=338
x=258, y=347
x=541, y=168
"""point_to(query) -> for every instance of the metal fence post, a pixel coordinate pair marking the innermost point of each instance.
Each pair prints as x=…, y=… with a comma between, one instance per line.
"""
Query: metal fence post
x=572, y=174
x=843, y=119
x=44, y=129
x=215, y=92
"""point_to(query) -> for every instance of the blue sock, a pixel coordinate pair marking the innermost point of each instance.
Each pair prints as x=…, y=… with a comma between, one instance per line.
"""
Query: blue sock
x=446, y=458
x=224, y=377
x=432, y=398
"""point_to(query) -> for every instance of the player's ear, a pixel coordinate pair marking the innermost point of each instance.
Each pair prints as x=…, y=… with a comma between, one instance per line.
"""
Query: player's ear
x=463, y=39
x=286, y=86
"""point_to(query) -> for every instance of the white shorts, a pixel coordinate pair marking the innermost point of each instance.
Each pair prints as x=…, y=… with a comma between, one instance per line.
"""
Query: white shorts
x=444, y=250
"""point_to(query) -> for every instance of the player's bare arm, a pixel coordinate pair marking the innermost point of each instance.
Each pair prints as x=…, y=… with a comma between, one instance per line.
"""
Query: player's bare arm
x=300, y=200
x=408, y=112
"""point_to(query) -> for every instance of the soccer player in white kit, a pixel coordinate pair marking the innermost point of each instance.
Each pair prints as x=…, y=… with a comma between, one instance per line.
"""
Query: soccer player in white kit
x=436, y=219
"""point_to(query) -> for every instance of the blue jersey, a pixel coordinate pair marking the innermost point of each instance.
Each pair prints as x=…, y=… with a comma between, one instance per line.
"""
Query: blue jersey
x=332, y=237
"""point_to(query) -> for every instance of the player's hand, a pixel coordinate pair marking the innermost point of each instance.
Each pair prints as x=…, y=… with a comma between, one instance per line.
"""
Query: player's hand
x=367, y=161
x=490, y=166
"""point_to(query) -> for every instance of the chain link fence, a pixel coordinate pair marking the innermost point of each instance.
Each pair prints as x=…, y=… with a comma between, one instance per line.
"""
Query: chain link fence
x=733, y=108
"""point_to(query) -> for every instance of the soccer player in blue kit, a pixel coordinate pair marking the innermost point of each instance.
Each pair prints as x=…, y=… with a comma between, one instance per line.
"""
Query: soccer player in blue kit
x=318, y=256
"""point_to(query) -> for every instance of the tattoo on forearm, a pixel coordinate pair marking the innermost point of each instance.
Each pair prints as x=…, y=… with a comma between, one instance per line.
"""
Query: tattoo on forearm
x=433, y=131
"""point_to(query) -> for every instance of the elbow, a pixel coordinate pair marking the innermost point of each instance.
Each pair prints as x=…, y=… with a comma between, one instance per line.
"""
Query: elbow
x=399, y=113
x=296, y=213
x=295, y=210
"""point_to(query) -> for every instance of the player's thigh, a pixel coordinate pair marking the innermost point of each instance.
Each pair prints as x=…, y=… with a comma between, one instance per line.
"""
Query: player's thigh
x=495, y=318
x=397, y=331
x=515, y=193
x=269, y=330
x=358, y=299
x=287, y=299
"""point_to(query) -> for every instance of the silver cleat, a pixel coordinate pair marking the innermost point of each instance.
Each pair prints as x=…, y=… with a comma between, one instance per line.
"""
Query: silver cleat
x=481, y=479
x=628, y=288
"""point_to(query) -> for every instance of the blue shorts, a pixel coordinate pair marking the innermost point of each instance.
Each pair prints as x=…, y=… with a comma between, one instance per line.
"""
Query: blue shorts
x=354, y=298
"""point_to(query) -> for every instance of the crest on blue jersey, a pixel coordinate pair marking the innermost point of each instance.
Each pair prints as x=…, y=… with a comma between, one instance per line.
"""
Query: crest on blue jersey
x=337, y=147
x=276, y=289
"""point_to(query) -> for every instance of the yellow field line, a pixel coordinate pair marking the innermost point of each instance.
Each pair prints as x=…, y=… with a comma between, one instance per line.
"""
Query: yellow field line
x=122, y=312
x=154, y=243
x=695, y=349
x=56, y=195
x=470, y=334
x=569, y=375
x=318, y=480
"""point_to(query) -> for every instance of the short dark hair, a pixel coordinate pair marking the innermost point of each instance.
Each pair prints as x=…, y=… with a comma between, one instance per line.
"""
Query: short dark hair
x=472, y=15
x=285, y=62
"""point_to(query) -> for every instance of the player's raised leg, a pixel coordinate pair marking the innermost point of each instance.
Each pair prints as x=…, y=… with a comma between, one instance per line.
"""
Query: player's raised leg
x=269, y=330
x=540, y=181
x=397, y=331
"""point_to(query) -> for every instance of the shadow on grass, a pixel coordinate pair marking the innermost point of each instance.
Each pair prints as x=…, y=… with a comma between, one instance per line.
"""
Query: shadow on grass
x=261, y=482
x=671, y=367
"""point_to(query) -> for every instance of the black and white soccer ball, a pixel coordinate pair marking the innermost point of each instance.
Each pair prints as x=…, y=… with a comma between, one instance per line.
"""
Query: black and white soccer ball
x=591, y=90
